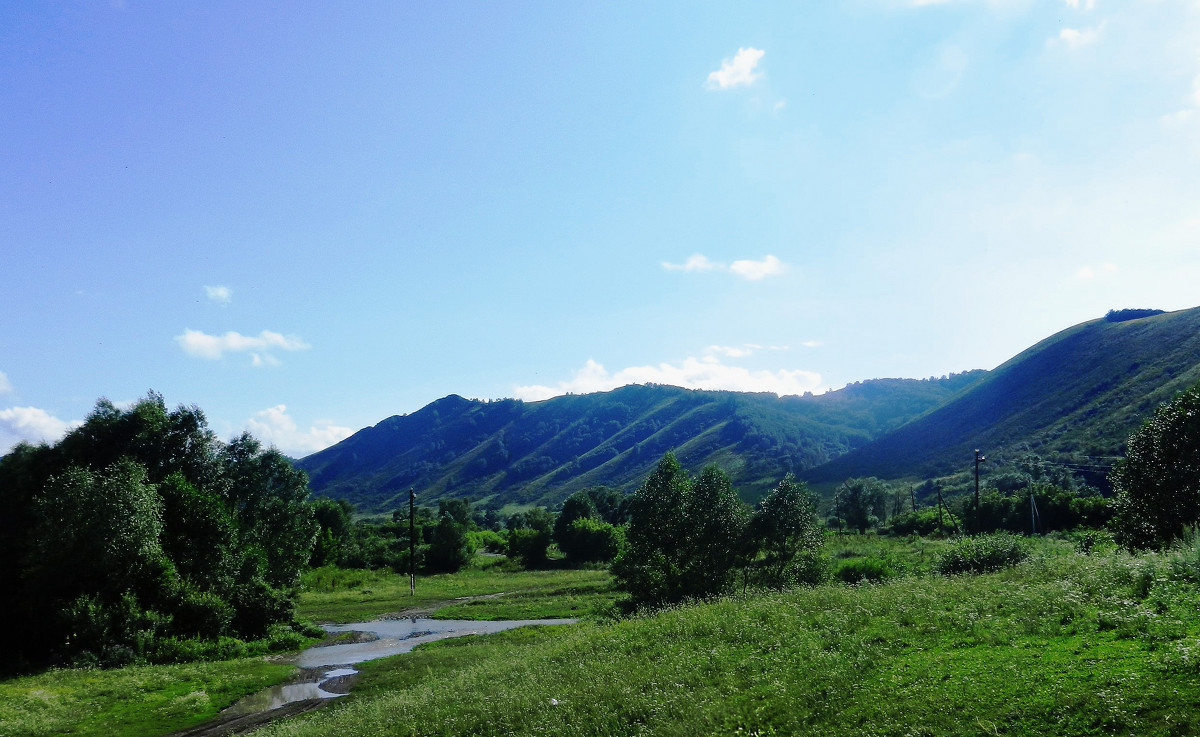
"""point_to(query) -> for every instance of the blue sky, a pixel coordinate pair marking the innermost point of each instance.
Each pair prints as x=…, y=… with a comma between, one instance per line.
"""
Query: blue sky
x=306, y=217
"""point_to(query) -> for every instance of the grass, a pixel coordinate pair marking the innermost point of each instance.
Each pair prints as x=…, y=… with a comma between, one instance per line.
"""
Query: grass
x=1061, y=644
x=133, y=702
x=340, y=595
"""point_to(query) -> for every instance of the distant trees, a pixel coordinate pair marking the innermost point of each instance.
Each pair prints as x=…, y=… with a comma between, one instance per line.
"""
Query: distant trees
x=688, y=538
x=860, y=503
x=139, y=530
x=1158, y=482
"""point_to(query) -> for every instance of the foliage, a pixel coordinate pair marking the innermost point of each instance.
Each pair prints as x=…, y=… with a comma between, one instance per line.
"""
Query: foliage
x=1064, y=645
x=1158, y=481
x=589, y=540
x=982, y=554
x=870, y=569
x=140, y=526
x=450, y=548
x=859, y=503
x=1129, y=314
x=785, y=527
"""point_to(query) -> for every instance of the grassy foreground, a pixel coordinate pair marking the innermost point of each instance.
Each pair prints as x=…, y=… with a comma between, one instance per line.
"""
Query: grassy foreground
x=132, y=701
x=1063, y=644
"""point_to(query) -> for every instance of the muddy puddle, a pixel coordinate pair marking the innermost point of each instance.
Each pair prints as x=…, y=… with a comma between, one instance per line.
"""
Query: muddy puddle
x=327, y=670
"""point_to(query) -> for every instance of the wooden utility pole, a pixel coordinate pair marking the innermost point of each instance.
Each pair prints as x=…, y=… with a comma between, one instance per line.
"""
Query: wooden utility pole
x=939, y=493
x=412, y=543
x=978, y=513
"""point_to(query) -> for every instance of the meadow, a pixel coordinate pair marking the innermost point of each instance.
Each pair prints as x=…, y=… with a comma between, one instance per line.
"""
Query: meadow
x=1066, y=642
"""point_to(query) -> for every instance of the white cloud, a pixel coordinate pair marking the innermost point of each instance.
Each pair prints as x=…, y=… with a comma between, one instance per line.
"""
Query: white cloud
x=692, y=373
x=812, y=344
x=213, y=347
x=747, y=269
x=5, y=384
x=755, y=270
x=1084, y=4
x=1075, y=38
x=275, y=426
x=737, y=72
x=32, y=424
x=1087, y=273
x=695, y=262
x=219, y=294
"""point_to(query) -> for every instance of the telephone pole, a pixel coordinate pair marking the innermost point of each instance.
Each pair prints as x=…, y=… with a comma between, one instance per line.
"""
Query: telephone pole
x=412, y=542
x=978, y=514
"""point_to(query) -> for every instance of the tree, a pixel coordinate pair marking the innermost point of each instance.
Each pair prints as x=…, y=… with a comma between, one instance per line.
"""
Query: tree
x=683, y=536
x=1158, y=482
x=860, y=502
x=449, y=548
x=139, y=525
x=786, y=529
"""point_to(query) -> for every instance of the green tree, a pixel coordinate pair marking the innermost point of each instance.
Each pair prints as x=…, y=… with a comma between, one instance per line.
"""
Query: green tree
x=683, y=536
x=859, y=503
x=786, y=529
x=1158, y=482
x=449, y=546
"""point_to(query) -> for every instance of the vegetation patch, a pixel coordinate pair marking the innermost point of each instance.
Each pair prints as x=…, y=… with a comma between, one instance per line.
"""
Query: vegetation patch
x=132, y=701
x=982, y=554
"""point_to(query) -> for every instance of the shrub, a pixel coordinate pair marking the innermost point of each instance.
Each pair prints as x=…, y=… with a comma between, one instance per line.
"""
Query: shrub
x=871, y=569
x=982, y=554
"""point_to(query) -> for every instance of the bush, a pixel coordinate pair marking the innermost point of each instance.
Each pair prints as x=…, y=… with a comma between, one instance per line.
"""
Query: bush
x=870, y=569
x=982, y=554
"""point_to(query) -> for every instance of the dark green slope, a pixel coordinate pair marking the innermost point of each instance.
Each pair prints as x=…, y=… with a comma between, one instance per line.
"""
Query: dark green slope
x=1074, y=397
x=511, y=451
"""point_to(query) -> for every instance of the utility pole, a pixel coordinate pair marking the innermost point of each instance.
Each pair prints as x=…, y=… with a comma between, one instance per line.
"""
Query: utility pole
x=412, y=543
x=939, y=487
x=978, y=513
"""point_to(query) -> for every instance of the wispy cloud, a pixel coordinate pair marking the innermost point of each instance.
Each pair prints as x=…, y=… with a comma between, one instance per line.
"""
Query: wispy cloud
x=695, y=262
x=755, y=270
x=275, y=426
x=213, y=347
x=219, y=294
x=693, y=373
x=32, y=424
x=745, y=268
x=5, y=385
x=1077, y=38
x=1081, y=4
x=1087, y=273
x=738, y=71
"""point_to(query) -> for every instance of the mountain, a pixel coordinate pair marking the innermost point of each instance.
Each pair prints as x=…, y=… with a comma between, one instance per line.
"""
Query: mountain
x=1073, y=398
x=508, y=451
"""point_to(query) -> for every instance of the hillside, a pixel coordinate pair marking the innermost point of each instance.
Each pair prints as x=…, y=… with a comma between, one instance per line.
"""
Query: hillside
x=509, y=451
x=1072, y=398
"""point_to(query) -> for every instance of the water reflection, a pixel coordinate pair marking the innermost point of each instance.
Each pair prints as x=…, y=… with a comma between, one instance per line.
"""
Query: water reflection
x=320, y=679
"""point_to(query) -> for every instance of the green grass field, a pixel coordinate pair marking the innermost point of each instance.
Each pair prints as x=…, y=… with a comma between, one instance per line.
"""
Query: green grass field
x=1063, y=644
x=137, y=701
x=338, y=595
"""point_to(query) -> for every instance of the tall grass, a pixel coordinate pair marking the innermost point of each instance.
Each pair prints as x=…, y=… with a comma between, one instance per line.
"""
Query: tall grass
x=1062, y=644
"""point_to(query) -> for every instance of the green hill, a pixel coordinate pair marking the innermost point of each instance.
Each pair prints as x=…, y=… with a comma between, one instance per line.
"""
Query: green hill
x=1073, y=398
x=509, y=451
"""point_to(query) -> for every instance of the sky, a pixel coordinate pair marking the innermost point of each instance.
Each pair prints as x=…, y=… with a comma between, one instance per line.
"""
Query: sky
x=307, y=217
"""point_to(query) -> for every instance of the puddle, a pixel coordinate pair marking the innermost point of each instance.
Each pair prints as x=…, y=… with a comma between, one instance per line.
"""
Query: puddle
x=394, y=636
x=327, y=672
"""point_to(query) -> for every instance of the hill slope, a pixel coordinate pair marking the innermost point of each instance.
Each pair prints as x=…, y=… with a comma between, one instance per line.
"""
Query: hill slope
x=1074, y=397
x=512, y=451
